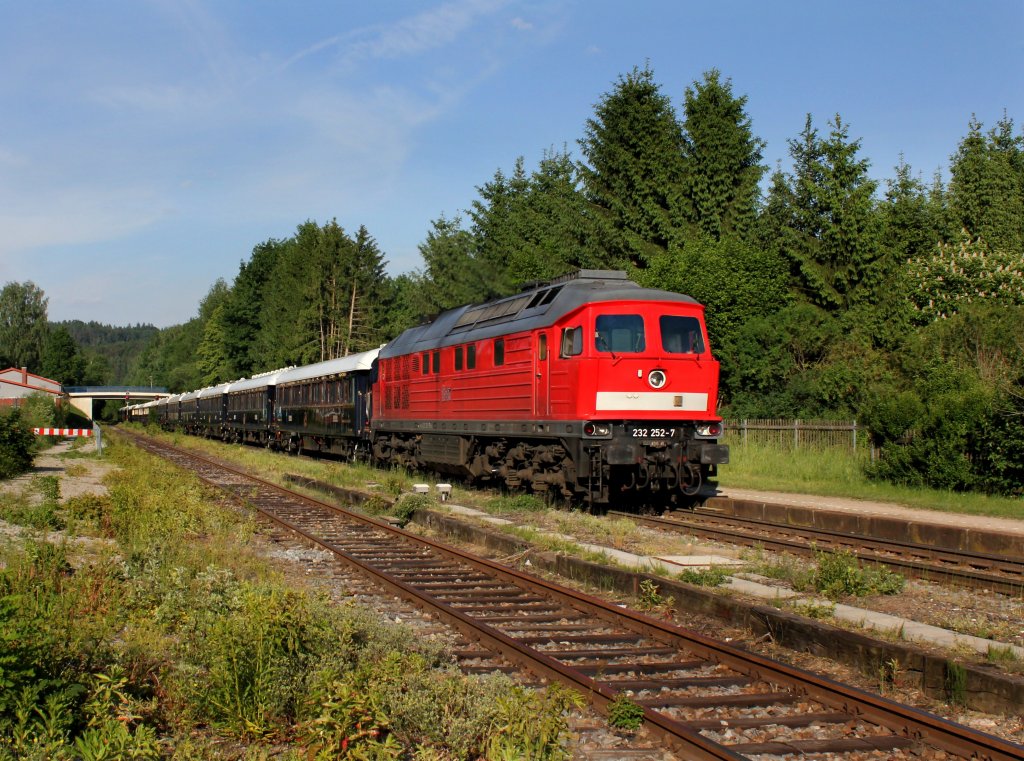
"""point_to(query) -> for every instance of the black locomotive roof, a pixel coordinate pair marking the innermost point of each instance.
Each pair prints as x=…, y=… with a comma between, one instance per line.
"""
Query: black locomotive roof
x=532, y=308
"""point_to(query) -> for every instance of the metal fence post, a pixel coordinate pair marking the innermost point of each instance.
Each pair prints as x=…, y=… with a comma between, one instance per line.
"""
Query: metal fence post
x=99, y=437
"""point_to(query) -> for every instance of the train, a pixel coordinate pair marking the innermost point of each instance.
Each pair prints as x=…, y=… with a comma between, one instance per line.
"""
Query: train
x=588, y=386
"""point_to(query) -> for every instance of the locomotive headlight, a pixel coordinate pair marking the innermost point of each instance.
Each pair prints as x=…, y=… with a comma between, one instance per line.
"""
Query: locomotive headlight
x=597, y=430
x=657, y=378
x=709, y=430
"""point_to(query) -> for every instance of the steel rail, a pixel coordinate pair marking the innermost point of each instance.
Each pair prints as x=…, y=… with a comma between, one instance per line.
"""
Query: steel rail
x=910, y=723
x=710, y=526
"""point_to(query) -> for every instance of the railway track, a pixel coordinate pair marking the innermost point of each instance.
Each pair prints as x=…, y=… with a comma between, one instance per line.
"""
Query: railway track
x=997, y=573
x=703, y=698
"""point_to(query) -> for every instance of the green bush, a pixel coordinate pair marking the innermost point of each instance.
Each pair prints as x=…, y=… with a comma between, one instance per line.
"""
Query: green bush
x=40, y=411
x=958, y=422
x=16, y=441
x=623, y=713
x=55, y=628
x=532, y=724
x=714, y=576
x=244, y=669
x=839, y=575
x=186, y=632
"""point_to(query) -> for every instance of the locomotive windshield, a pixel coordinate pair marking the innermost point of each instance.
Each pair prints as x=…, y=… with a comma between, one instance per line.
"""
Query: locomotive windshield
x=681, y=335
x=619, y=333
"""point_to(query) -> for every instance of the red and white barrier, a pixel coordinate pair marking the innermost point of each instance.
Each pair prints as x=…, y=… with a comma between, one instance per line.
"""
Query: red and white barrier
x=62, y=431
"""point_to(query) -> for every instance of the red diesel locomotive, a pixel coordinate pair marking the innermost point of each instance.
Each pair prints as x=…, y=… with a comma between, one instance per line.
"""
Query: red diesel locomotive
x=589, y=385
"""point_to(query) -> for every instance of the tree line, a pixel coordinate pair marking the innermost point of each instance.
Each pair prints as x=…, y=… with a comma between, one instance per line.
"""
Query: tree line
x=54, y=350
x=828, y=293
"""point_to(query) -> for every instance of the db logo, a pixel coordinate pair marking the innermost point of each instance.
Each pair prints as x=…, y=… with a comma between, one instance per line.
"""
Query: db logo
x=446, y=393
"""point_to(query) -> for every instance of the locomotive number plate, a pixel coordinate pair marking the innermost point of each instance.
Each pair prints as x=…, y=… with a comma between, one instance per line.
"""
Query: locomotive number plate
x=654, y=432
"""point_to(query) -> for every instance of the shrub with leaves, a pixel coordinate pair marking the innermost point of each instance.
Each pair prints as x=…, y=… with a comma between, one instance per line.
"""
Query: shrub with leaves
x=532, y=724
x=839, y=575
x=623, y=713
x=960, y=273
x=713, y=576
x=16, y=440
x=56, y=626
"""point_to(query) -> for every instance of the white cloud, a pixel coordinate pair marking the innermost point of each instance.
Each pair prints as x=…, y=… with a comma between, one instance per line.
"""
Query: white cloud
x=409, y=37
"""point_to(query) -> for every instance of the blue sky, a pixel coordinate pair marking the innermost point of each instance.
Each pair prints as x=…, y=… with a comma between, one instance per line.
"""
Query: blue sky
x=146, y=147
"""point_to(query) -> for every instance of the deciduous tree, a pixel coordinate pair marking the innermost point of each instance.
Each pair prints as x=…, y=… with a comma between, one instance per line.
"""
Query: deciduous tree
x=23, y=325
x=952, y=275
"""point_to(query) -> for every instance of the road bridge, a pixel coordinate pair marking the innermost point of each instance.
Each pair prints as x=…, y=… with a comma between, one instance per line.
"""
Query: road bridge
x=83, y=397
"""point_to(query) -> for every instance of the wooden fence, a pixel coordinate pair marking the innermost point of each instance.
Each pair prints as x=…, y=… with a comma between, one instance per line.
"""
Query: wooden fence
x=796, y=434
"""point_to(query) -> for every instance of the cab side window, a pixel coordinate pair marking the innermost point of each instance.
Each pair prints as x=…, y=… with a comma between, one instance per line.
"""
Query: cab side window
x=572, y=342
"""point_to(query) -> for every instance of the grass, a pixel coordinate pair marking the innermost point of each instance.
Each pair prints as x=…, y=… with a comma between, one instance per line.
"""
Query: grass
x=175, y=636
x=839, y=473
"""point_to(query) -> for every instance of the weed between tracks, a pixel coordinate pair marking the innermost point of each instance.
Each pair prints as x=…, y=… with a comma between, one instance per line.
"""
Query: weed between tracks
x=168, y=636
x=834, y=575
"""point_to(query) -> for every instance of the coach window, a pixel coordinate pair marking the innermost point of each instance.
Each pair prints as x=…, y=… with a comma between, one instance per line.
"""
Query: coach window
x=499, y=352
x=619, y=333
x=436, y=362
x=542, y=346
x=458, y=357
x=572, y=342
x=426, y=363
x=471, y=357
x=681, y=335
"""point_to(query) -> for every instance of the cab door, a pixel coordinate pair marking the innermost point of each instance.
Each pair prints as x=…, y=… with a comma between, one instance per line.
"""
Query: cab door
x=542, y=377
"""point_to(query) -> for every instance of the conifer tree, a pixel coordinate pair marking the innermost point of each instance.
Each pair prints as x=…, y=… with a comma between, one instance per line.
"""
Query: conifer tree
x=908, y=229
x=452, y=275
x=239, y=321
x=825, y=219
x=987, y=186
x=633, y=173
x=532, y=227
x=368, y=291
x=498, y=228
x=62, y=360
x=723, y=159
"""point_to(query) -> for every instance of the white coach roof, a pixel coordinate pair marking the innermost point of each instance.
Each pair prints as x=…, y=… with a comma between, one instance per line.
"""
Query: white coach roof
x=350, y=364
x=262, y=380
